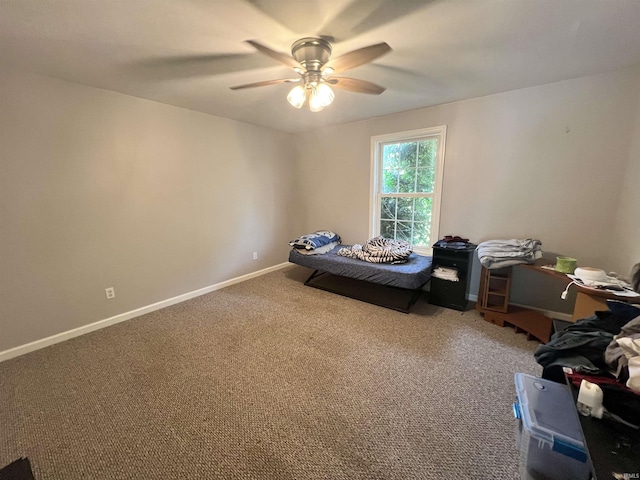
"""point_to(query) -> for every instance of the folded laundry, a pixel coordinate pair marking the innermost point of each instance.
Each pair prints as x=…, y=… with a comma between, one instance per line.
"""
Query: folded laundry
x=504, y=253
x=454, y=243
x=450, y=274
x=454, y=238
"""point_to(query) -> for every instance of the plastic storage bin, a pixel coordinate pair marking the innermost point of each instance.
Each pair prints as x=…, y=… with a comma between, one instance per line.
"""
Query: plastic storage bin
x=548, y=433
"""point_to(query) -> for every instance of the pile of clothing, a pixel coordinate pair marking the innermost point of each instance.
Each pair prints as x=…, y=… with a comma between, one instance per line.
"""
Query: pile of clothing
x=379, y=250
x=604, y=349
x=505, y=253
x=582, y=345
x=316, y=243
x=454, y=243
x=623, y=354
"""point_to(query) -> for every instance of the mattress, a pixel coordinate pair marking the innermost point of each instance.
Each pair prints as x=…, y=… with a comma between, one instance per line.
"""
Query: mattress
x=411, y=275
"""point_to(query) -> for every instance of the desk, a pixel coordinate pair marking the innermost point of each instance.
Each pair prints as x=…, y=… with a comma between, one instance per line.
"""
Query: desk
x=588, y=300
x=494, y=293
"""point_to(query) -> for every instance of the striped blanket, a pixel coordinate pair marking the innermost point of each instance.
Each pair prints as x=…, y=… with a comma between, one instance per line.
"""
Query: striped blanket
x=379, y=250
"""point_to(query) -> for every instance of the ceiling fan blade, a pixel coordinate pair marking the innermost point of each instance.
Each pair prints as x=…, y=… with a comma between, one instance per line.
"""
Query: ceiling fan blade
x=355, y=85
x=265, y=83
x=281, y=57
x=357, y=57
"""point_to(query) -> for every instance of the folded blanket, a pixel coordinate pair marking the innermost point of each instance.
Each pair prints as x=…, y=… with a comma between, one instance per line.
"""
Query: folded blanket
x=379, y=250
x=504, y=253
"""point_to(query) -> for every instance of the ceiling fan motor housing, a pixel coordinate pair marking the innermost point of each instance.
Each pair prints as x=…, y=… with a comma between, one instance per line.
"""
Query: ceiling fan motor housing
x=311, y=52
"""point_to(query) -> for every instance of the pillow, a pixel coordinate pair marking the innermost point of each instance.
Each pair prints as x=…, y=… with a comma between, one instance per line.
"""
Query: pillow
x=315, y=239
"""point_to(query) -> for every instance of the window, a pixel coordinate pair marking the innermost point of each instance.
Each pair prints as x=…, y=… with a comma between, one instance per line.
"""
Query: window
x=406, y=185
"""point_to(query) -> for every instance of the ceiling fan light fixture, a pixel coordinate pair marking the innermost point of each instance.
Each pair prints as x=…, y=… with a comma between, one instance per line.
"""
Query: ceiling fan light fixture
x=311, y=60
x=321, y=96
x=315, y=106
x=297, y=96
x=325, y=93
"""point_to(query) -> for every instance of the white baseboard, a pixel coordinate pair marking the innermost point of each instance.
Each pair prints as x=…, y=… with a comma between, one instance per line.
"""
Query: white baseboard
x=76, y=332
x=547, y=313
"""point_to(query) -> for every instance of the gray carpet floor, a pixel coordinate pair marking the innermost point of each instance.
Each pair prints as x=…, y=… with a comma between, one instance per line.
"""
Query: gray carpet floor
x=269, y=379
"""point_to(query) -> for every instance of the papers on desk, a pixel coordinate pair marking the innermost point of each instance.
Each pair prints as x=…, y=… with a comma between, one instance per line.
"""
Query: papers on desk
x=624, y=293
x=613, y=286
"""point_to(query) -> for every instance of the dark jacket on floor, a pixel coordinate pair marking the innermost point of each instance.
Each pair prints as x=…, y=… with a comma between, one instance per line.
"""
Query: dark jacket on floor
x=581, y=346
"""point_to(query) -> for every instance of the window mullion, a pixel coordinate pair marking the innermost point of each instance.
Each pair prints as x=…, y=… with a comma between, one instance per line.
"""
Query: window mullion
x=395, y=219
x=397, y=179
x=415, y=190
x=413, y=219
x=415, y=166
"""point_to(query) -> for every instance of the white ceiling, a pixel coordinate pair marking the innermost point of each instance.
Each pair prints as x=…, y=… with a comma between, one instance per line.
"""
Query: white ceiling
x=189, y=52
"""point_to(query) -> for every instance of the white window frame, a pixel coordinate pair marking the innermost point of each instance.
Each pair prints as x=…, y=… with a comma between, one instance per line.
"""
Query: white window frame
x=377, y=143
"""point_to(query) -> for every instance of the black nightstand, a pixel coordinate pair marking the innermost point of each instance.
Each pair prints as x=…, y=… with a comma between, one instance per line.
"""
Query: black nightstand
x=446, y=293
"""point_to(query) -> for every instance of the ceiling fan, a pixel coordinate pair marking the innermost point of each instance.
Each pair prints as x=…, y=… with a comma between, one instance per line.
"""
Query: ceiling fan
x=310, y=59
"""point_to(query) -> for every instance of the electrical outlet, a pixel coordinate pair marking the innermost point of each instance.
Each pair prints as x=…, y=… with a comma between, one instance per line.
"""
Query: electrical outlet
x=255, y=255
x=110, y=293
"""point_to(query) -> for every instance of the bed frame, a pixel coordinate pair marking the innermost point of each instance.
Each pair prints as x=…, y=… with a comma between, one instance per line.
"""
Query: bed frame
x=394, y=286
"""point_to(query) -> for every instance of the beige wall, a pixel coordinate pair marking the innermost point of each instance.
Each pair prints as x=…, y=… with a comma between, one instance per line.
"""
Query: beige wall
x=625, y=242
x=100, y=189
x=546, y=162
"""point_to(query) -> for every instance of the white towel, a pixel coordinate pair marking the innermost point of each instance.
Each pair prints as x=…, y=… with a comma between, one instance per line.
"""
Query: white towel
x=444, y=273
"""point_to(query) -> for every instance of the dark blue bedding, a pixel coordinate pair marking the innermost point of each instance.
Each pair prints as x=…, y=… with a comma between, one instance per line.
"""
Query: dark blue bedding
x=411, y=275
